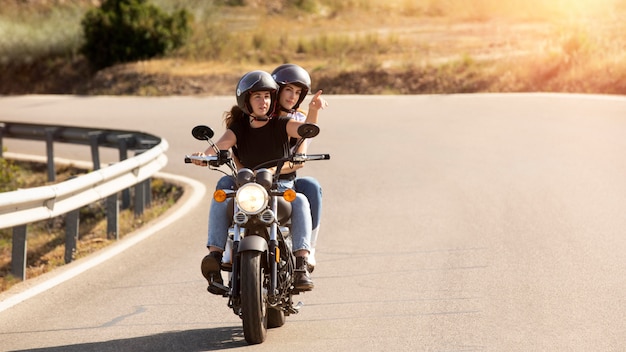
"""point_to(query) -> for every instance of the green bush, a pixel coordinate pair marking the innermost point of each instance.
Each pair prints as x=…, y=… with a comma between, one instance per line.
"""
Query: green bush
x=130, y=30
x=9, y=176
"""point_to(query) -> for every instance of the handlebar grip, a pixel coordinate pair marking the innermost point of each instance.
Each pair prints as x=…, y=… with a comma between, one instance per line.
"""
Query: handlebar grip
x=319, y=157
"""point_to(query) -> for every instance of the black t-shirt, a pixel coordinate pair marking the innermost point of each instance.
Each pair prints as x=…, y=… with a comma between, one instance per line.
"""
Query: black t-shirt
x=258, y=145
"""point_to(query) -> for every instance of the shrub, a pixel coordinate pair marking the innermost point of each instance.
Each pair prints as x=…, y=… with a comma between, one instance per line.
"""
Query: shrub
x=9, y=176
x=130, y=30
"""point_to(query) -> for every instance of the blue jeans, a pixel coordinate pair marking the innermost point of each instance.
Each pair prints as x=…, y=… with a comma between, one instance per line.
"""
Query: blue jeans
x=312, y=189
x=219, y=222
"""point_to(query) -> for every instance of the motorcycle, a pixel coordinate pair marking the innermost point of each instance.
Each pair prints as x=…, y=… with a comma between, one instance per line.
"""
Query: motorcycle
x=258, y=255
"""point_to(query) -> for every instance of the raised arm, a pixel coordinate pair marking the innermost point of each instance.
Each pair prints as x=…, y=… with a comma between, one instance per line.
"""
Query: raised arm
x=317, y=103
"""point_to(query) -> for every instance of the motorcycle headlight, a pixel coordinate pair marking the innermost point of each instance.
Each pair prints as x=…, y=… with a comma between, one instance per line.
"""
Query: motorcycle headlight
x=251, y=198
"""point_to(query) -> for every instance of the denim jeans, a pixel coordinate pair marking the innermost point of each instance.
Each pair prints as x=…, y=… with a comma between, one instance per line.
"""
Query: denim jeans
x=219, y=222
x=311, y=188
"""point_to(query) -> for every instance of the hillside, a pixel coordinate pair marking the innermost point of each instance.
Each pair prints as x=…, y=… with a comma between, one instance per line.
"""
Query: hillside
x=431, y=46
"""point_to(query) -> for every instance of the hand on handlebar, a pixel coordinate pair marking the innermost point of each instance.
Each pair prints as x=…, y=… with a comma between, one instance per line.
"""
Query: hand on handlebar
x=202, y=159
x=198, y=162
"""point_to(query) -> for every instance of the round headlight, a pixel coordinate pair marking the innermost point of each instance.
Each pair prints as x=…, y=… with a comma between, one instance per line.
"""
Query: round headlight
x=252, y=198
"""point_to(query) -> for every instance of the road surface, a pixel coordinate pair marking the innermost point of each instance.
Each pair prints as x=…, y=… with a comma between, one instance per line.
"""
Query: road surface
x=451, y=223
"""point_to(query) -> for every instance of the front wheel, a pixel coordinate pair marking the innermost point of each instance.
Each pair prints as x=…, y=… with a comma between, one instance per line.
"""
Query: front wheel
x=253, y=298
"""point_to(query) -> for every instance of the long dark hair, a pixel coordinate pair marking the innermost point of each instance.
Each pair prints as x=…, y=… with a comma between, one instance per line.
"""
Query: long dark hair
x=235, y=113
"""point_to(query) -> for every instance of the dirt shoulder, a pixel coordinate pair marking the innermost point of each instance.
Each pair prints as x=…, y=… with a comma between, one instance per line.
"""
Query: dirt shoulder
x=531, y=74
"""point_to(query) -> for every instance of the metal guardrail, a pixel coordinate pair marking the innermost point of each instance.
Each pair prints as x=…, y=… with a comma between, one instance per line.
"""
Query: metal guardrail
x=21, y=207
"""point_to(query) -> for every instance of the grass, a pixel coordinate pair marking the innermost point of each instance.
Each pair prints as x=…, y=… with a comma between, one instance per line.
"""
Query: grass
x=28, y=34
x=46, y=239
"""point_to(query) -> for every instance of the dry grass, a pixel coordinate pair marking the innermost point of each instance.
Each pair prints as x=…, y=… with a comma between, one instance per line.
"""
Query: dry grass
x=515, y=45
x=507, y=45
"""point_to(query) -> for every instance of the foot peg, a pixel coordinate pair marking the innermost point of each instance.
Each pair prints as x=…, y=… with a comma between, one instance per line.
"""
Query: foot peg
x=296, y=309
x=218, y=289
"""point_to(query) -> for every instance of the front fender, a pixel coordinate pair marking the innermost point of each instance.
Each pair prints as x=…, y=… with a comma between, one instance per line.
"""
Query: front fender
x=253, y=243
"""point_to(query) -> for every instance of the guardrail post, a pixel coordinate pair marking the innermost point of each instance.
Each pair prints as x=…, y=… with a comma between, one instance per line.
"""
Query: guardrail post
x=94, y=141
x=18, y=252
x=113, y=215
x=140, y=192
x=50, y=153
x=71, y=234
x=140, y=198
x=148, y=192
x=123, y=148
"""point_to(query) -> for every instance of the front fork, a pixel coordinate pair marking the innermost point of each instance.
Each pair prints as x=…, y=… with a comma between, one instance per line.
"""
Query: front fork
x=274, y=253
x=234, y=296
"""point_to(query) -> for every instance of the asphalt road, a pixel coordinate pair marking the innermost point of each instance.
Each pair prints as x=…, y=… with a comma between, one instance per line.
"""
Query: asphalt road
x=451, y=223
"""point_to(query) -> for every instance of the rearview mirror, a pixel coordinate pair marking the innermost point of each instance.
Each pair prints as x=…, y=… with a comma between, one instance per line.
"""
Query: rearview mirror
x=202, y=132
x=308, y=130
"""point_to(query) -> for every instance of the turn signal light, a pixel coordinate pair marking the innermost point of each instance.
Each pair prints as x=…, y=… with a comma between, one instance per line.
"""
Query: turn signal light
x=219, y=195
x=289, y=195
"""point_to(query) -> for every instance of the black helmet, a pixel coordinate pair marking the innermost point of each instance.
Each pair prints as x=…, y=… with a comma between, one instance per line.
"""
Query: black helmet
x=255, y=81
x=293, y=74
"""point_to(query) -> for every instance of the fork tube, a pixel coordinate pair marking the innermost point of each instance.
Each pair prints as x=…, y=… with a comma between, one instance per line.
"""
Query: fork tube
x=273, y=247
x=236, y=257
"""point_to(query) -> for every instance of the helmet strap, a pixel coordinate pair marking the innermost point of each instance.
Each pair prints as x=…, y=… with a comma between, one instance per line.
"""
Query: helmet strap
x=254, y=118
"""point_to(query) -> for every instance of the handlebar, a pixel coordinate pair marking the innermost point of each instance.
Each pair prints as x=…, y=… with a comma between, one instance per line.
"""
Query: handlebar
x=298, y=158
x=224, y=158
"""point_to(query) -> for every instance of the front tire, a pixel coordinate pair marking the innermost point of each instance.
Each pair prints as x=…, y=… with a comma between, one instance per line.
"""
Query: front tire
x=253, y=298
